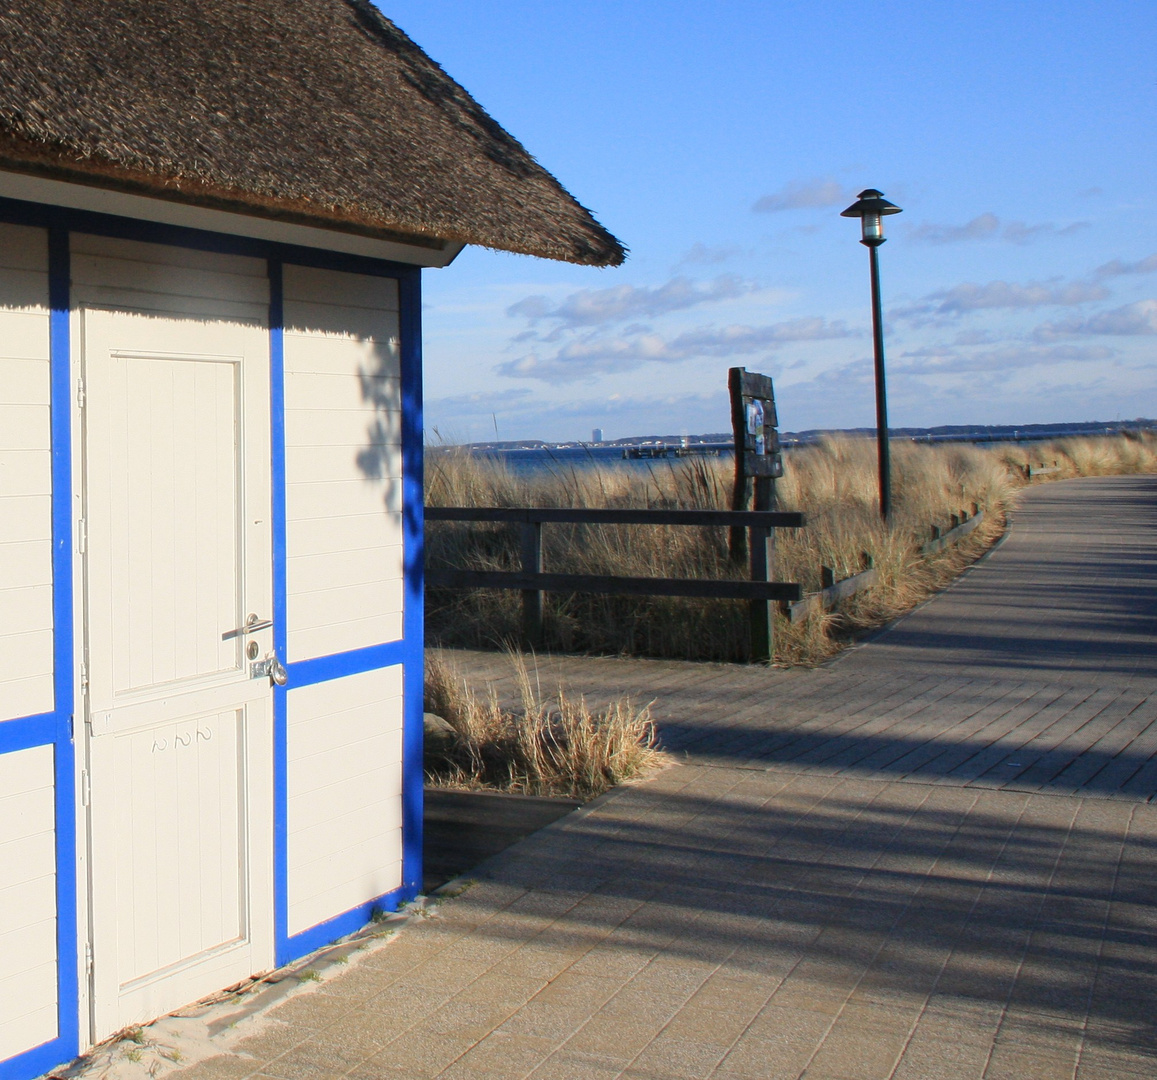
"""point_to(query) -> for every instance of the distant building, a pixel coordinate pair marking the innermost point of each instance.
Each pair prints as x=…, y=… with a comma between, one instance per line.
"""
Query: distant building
x=597, y=435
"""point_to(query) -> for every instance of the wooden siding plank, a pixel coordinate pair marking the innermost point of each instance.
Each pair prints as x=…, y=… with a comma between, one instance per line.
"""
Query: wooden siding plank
x=345, y=636
x=24, y=247
x=24, y=380
x=340, y=427
x=310, y=354
x=342, y=498
x=166, y=255
x=25, y=472
x=338, y=569
x=25, y=610
x=329, y=464
x=26, y=697
x=25, y=427
x=340, y=289
x=24, y=518
x=30, y=1029
x=311, y=390
x=23, y=291
x=308, y=611
x=346, y=532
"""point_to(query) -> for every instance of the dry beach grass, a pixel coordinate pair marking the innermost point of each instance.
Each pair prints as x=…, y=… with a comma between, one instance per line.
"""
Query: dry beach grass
x=834, y=482
x=547, y=745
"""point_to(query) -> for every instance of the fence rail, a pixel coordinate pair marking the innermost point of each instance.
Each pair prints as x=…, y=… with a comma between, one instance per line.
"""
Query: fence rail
x=760, y=519
x=533, y=582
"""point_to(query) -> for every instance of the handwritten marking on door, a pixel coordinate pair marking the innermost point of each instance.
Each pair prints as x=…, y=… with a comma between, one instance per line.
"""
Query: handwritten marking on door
x=202, y=734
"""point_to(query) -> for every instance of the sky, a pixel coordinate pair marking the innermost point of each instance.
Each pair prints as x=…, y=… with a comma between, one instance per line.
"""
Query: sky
x=720, y=139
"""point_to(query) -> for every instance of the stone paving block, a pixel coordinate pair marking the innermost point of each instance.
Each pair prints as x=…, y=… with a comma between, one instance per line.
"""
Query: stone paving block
x=572, y=1065
x=678, y=1058
x=616, y=1036
x=1024, y=1063
x=273, y=1038
x=316, y=1059
x=782, y=1058
x=313, y=1009
x=223, y=1067
x=417, y=1056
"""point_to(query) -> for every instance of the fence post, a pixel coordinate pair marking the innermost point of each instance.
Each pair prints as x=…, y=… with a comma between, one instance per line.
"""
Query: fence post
x=762, y=612
x=737, y=535
x=532, y=598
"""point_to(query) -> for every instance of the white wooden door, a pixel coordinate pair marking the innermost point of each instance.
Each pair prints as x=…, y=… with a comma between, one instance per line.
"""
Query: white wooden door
x=177, y=562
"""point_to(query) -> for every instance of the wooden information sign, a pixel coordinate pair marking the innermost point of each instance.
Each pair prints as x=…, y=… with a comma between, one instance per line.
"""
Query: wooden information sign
x=758, y=458
x=754, y=423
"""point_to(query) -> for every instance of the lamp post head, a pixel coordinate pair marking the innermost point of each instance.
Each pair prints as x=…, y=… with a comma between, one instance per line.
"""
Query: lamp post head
x=871, y=207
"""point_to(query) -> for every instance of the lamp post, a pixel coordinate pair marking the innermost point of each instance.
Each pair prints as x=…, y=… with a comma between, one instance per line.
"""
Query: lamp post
x=870, y=208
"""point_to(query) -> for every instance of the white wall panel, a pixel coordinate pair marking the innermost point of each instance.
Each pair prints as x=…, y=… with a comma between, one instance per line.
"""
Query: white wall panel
x=25, y=477
x=343, y=462
x=147, y=277
x=28, y=998
x=345, y=794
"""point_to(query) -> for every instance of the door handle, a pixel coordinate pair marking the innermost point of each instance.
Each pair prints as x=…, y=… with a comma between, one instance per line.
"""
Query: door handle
x=252, y=625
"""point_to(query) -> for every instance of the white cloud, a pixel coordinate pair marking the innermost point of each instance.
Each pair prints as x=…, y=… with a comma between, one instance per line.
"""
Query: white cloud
x=933, y=360
x=970, y=296
x=804, y=195
x=1127, y=321
x=989, y=227
x=1117, y=267
x=979, y=228
x=598, y=307
x=602, y=354
x=700, y=254
x=482, y=403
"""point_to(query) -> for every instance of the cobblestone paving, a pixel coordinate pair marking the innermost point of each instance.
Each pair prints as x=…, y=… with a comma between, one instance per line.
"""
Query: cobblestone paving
x=925, y=861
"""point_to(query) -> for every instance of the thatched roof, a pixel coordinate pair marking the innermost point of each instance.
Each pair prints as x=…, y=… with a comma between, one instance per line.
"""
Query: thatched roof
x=316, y=111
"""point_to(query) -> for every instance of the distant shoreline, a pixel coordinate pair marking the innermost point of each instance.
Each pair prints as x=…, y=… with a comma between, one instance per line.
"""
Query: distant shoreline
x=718, y=443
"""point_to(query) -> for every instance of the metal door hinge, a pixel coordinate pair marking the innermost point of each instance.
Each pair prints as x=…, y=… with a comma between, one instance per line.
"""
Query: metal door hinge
x=81, y=536
x=85, y=789
x=83, y=678
x=88, y=958
x=80, y=393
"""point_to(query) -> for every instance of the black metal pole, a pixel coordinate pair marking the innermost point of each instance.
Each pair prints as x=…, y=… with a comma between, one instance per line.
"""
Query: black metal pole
x=883, y=454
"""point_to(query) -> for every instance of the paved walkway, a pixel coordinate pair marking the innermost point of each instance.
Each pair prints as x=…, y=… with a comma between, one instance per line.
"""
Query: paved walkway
x=932, y=859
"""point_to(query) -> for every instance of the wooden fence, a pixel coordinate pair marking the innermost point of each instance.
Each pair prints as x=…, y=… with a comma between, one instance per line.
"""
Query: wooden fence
x=533, y=582
x=759, y=591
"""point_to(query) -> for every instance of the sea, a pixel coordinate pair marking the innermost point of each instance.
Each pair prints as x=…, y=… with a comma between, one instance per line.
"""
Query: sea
x=565, y=459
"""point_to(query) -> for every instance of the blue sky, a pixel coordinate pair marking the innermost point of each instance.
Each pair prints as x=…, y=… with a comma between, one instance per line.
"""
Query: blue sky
x=719, y=141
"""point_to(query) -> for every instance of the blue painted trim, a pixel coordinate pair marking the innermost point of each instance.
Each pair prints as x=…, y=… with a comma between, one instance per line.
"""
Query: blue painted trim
x=323, y=668
x=280, y=592
x=19, y=212
x=413, y=627
x=64, y=671
x=37, y=1061
x=25, y=732
x=347, y=923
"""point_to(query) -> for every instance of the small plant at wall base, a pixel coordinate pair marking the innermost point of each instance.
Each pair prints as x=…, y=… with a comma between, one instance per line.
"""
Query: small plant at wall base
x=834, y=483
x=557, y=745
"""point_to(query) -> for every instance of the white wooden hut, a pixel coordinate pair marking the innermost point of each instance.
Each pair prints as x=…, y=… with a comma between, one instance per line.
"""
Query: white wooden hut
x=213, y=219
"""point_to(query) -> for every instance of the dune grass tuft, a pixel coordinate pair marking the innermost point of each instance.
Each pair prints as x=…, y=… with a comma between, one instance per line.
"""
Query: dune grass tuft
x=547, y=745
